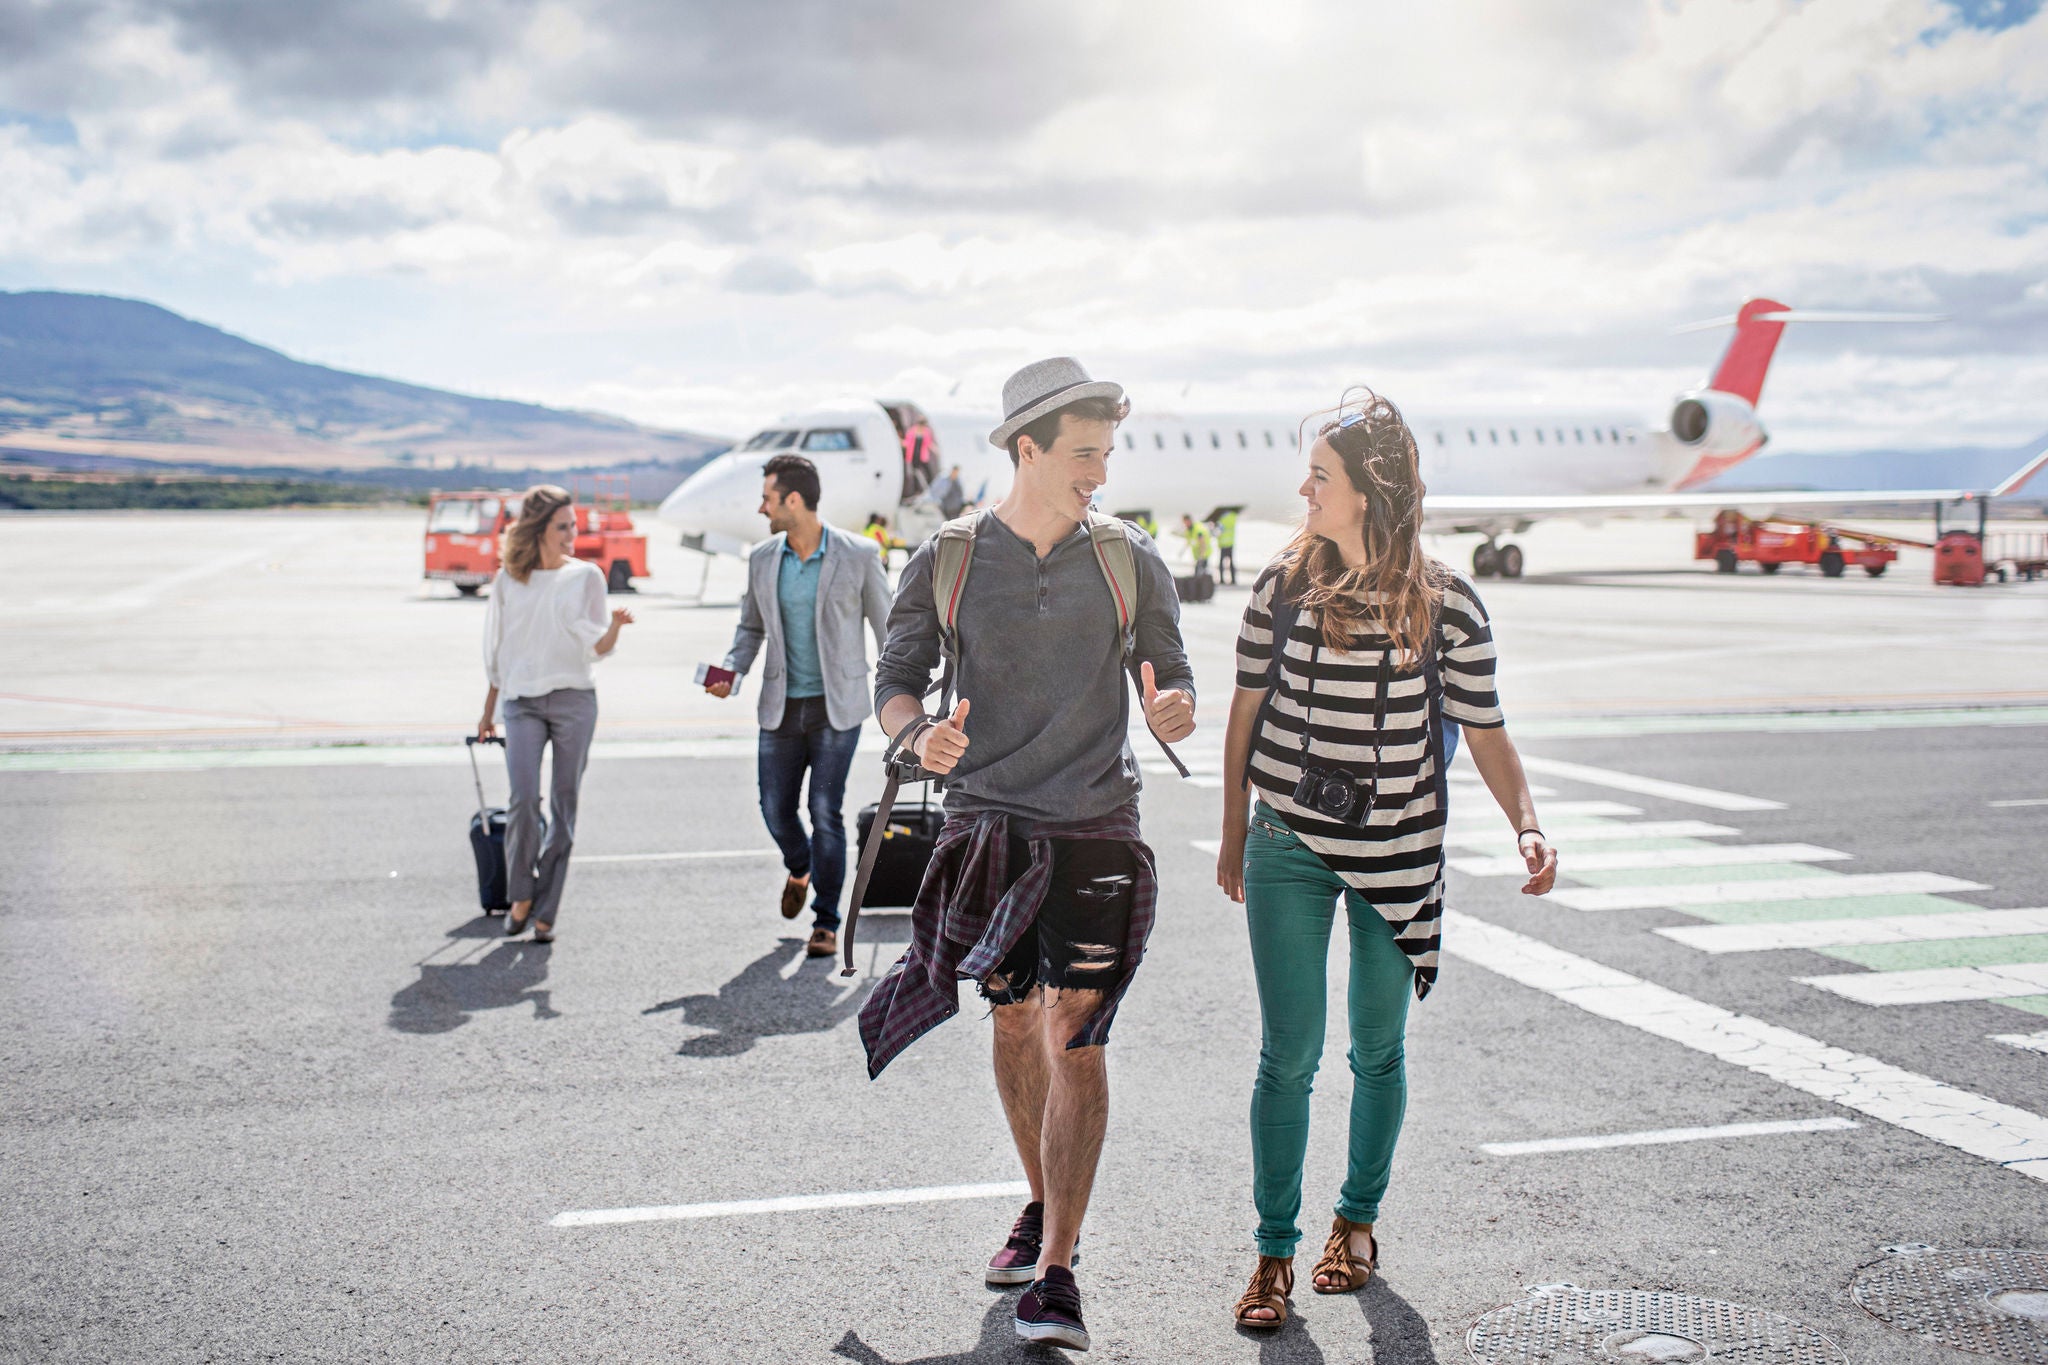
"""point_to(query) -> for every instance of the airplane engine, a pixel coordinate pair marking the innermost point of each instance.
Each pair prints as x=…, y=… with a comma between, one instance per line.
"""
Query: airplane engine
x=1714, y=423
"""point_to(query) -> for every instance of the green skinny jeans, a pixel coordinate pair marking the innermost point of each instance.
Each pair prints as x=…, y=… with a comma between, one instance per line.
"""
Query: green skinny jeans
x=1290, y=900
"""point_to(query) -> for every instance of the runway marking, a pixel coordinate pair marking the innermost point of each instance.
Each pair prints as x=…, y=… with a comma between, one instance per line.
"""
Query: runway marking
x=1838, y=933
x=1659, y=1136
x=1583, y=833
x=1649, y=786
x=1816, y=888
x=2032, y=1042
x=694, y=856
x=2013, y=805
x=2009, y=1136
x=1936, y=985
x=798, y=1203
x=1631, y=860
x=1559, y=811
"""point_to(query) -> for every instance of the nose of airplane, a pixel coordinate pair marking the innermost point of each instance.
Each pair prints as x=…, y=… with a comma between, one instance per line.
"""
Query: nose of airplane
x=718, y=506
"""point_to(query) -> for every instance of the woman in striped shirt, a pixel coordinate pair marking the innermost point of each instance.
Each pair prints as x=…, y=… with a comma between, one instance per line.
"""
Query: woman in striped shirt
x=1342, y=726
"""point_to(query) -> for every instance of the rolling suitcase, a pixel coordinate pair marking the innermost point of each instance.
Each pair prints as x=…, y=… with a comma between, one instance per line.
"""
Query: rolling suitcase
x=487, y=840
x=1195, y=587
x=905, y=852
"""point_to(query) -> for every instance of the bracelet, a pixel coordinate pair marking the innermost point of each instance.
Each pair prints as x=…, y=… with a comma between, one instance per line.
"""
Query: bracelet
x=1523, y=834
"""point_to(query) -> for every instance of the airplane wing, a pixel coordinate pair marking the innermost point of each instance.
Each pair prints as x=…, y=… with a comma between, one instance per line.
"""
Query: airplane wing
x=1463, y=513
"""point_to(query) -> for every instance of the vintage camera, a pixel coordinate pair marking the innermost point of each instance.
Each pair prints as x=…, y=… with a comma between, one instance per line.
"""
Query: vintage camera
x=1335, y=793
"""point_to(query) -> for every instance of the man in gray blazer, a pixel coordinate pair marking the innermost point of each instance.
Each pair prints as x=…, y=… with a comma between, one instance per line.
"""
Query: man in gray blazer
x=809, y=589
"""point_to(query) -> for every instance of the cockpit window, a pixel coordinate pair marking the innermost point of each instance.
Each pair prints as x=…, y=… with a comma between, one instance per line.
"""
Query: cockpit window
x=770, y=440
x=831, y=438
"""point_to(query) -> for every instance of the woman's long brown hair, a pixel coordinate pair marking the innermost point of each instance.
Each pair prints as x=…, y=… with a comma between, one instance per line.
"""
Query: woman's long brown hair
x=1398, y=588
x=537, y=507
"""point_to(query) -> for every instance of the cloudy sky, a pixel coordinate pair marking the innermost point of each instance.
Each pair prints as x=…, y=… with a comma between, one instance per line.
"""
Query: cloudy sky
x=699, y=214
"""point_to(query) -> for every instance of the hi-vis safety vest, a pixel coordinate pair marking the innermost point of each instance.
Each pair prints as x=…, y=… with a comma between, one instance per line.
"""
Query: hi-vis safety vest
x=1226, y=530
x=954, y=554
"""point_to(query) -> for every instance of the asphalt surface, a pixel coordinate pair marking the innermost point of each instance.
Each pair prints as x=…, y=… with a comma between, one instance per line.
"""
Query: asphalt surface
x=277, y=1092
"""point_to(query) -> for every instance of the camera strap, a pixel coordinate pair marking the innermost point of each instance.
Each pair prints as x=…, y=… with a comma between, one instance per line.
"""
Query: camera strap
x=1382, y=684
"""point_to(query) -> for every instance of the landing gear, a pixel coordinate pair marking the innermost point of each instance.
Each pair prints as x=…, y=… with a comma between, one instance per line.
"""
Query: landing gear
x=1490, y=559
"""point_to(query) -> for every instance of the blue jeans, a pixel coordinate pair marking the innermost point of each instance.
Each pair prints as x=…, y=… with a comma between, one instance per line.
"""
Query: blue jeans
x=806, y=739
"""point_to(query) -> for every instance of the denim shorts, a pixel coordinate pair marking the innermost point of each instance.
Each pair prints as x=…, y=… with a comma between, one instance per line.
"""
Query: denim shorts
x=1077, y=941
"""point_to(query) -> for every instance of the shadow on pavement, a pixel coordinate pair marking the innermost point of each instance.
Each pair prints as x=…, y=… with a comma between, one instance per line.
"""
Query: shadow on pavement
x=483, y=926
x=444, y=997
x=998, y=1342
x=1399, y=1334
x=761, y=1003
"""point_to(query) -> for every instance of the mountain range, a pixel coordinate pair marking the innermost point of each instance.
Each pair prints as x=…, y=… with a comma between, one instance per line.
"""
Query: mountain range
x=92, y=381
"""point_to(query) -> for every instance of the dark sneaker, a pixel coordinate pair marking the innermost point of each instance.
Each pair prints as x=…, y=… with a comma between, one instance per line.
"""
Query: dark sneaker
x=1017, y=1262
x=1050, y=1311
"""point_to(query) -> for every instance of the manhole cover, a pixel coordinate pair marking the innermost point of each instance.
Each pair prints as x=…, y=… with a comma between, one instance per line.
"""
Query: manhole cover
x=1562, y=1324
x=1993, y=1302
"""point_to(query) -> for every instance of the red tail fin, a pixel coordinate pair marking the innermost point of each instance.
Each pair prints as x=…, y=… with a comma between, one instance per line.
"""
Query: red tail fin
x=1742, y=367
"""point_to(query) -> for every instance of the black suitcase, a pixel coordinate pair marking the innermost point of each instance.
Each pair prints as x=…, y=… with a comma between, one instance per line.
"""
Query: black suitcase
x=905, y=852
x=487, y=841
x=1197, y=587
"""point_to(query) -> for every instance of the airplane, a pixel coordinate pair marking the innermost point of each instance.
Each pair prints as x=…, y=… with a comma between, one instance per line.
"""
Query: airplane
x=1491, y=472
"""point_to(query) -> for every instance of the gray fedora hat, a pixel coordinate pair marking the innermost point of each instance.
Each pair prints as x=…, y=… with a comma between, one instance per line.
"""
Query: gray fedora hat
x=1046, y=386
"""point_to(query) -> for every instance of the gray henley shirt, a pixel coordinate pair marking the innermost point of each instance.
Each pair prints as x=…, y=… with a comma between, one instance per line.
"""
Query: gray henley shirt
x=1041, y=668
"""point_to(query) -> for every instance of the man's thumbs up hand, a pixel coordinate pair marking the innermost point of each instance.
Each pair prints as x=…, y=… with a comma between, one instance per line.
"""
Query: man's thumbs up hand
x=1171, y=713
x=940, y=748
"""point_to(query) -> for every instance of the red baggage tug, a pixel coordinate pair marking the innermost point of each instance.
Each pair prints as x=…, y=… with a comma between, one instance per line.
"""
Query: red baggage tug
x=1771, y=544
x=465, y=530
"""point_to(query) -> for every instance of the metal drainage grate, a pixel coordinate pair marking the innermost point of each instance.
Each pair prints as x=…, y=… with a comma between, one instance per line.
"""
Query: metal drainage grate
x=1992, y=1302
x=1562, y=1324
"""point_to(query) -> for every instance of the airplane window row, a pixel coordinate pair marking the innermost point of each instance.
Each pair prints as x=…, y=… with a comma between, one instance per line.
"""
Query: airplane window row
x=1606, y=436
x=1187, y=439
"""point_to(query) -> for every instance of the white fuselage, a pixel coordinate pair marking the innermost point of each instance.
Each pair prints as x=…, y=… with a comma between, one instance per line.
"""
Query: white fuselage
x=1168, y=464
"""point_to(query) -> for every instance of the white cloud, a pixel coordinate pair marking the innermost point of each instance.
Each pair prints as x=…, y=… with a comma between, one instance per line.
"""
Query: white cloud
x=1262, y=202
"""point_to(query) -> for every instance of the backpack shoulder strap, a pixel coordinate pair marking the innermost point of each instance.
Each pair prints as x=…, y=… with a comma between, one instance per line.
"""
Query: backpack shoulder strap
x=1119, y=568
x=1119, y=565
x=951, y=557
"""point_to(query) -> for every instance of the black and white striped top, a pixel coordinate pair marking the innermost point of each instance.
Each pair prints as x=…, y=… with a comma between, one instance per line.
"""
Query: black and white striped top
x=1393, y=862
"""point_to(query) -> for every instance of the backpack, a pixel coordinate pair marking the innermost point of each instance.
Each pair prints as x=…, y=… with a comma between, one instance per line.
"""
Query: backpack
x=953, y=555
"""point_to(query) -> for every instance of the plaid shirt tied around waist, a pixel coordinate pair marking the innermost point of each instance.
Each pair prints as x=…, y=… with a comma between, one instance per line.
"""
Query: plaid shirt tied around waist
x=969, y=916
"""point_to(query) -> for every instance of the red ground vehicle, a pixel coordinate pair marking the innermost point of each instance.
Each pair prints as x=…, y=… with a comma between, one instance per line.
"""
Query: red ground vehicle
x=1772, y=544
x=464, y=531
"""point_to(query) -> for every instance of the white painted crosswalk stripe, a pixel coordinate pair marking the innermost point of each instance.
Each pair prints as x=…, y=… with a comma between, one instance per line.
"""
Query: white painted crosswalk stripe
x=1661, y=1136
x=1466, y=836
x=1648, y=786
x=1642, y=859
x=1977, y=1124
x=1936, y=985
x=1556, y=811
x=1769, y=889
x=1843, y=933
x=2032, y=1042
x=799, y=1203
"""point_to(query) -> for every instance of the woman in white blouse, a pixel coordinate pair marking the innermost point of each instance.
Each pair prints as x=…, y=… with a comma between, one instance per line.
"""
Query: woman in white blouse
x=546, y=626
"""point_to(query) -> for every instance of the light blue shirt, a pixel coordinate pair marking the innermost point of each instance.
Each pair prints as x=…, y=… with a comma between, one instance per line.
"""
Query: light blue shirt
x=796, y=594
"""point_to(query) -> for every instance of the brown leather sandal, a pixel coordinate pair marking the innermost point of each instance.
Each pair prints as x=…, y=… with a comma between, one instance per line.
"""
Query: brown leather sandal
x=1271, y=1283
x=1344, y=1271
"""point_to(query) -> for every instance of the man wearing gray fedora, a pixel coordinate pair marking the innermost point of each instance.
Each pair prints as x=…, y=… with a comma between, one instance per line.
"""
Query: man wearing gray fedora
x=1040, y=887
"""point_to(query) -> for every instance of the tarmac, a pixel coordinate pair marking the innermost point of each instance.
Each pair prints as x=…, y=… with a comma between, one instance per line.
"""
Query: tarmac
x=277, y=1091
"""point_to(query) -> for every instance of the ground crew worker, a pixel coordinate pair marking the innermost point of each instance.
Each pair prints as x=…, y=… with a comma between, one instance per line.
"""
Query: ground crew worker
x=1226, y=545
x=1197, y=536
x=1147, y=523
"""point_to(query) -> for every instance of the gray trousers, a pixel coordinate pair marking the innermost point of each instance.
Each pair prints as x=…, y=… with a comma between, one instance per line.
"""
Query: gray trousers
x=536, y=867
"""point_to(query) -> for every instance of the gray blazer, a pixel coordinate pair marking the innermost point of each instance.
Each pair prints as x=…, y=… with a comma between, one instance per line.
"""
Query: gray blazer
x=852, y=587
